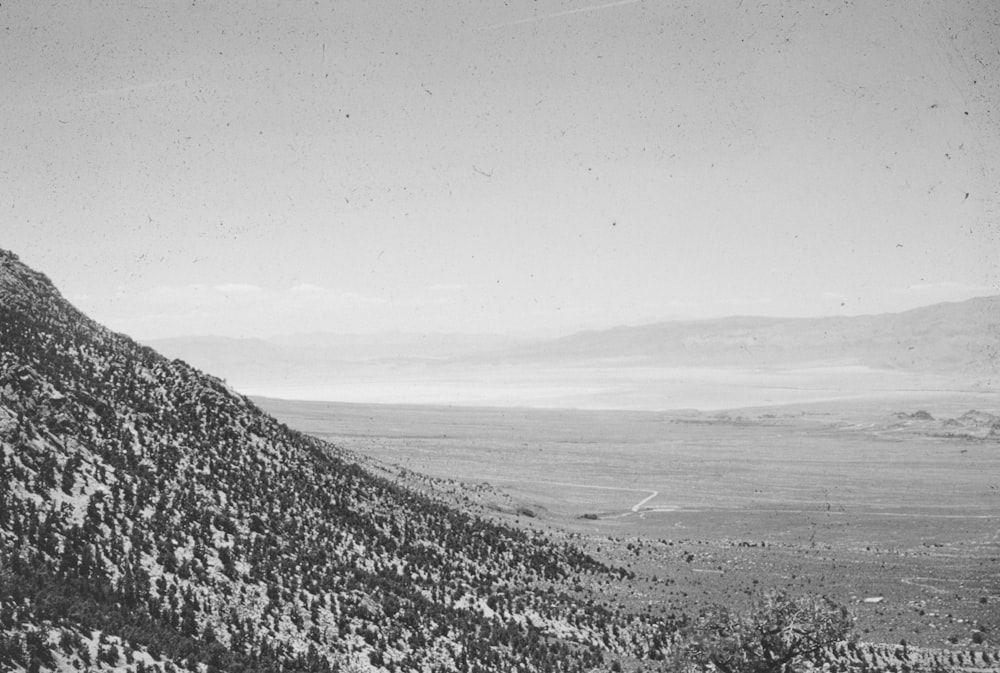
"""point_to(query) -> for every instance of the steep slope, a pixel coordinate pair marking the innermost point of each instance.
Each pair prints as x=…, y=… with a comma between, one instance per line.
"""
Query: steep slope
x=152, y=518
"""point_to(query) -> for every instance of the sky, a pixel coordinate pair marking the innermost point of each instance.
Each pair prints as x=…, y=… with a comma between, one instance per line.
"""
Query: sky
x=525, y=167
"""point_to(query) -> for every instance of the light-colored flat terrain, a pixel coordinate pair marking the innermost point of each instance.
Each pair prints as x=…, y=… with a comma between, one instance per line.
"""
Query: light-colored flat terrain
x=941, y=350
x=603, y=385
x=858, y=499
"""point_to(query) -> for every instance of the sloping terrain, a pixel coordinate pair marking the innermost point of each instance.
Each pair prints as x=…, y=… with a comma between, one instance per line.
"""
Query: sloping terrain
x=149, y=516
x=151, y=519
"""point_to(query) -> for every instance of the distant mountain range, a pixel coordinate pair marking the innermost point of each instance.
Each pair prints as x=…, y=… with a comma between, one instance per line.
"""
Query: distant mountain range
x=947, y=337
x=959, y=340
x=322, y=354
x=152, y=520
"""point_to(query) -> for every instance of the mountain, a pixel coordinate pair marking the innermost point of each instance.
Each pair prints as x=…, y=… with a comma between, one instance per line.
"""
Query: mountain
x=153, y=519
x=953, y=336
x=948, y=337
x=292, y=365
x=720, y=363
x=390, y=345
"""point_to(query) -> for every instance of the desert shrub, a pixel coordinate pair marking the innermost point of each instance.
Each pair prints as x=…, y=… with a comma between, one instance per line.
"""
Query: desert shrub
x=775, y=633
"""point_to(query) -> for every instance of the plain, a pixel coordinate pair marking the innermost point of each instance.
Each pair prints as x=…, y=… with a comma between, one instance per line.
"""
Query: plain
x=889, y=505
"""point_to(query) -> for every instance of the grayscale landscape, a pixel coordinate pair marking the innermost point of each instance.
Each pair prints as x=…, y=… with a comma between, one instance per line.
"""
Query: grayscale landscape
x=941, y=350
x=542, y=336
x=859, y=500
x=855, y=457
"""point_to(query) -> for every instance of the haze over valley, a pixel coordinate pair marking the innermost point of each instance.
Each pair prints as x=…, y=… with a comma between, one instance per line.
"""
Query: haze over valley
x=154, y=519
x=535, y=336
x=946, y=349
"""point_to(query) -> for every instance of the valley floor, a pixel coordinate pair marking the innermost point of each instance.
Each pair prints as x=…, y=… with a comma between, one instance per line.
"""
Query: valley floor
x=888, y=504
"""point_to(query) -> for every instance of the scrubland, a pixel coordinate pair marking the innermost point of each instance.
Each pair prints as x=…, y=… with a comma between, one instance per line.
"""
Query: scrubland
x=888, y=504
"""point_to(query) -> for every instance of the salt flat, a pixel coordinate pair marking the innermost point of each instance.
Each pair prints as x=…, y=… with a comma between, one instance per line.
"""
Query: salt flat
x=939, y=350
x=591, y=385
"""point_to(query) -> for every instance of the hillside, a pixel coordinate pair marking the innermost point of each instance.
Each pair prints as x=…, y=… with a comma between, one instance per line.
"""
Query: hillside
x=151, y=518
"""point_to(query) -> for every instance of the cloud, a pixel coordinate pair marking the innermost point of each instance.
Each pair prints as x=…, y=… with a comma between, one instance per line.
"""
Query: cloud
x=199, y=295
x=237, y=288
x=322, y=297
x=238, y=309
x=307, y=288
x=166, y=294
x=743, y=301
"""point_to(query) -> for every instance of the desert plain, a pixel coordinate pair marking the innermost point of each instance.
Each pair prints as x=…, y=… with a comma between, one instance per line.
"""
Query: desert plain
x=855, y=457
x=889, y=502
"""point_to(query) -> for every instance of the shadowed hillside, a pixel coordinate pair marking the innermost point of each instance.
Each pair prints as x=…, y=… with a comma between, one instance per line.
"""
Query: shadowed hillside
x=152, y=518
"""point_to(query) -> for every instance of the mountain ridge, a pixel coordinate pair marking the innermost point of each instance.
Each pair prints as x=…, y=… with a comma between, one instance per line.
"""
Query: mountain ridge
x=669, y=364
x=153, y=519
x=884, y=340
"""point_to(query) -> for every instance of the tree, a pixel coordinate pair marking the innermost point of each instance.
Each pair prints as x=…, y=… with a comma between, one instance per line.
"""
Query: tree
x=770, y=637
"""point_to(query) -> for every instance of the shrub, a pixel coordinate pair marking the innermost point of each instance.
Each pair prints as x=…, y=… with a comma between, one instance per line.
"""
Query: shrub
x=775, y=633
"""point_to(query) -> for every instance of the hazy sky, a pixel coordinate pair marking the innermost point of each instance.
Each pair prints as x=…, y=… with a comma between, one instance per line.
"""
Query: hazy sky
x=255, y=168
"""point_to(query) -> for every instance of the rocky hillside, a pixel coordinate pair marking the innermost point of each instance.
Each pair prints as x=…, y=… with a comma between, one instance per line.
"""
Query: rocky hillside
x=152, y=519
